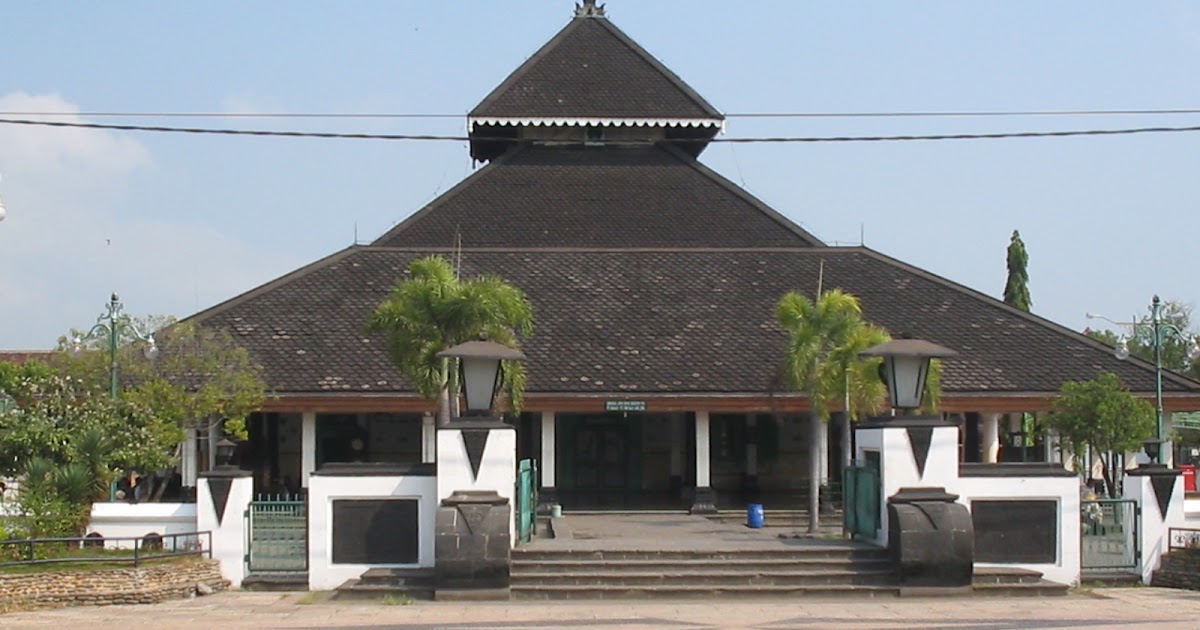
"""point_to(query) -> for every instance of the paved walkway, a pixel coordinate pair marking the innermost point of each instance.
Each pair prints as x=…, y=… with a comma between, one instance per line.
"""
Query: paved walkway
x=1131, y=608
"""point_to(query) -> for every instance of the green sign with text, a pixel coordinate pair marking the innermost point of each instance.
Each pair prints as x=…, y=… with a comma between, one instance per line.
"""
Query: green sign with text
x=624, y=405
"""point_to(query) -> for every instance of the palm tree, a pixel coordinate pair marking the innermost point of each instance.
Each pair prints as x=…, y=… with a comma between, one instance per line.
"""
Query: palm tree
x=819, y=339
x=862, y=393
x=433, y=310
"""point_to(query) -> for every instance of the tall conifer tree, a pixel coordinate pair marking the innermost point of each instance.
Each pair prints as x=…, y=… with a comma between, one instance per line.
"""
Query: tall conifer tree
x=1016, y=290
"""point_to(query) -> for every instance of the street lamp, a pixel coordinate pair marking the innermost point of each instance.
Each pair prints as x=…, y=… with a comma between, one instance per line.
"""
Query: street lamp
x=111, y=324
x=479, y=362
x=905, y=369
x=1158, y=332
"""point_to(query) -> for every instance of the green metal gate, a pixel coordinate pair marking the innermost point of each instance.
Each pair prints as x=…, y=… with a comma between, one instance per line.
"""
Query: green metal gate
x=1109, y=539
x=526, y=499
x=277, y=535
x=861, y=501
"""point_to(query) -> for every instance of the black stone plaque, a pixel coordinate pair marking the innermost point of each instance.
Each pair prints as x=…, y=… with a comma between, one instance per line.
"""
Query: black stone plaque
x=382, y=531
x=1015, y=531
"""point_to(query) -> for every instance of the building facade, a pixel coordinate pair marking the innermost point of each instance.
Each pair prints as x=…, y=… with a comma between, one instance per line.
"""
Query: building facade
x=652, y=371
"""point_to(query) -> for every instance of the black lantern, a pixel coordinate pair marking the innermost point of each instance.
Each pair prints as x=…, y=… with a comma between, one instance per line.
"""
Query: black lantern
x=479, y=364
x=1152, y=448
x=905, y=368
x=225, y=449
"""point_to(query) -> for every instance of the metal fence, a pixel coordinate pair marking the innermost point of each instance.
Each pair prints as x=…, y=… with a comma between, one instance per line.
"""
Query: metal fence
x=277, y=535
x=526, y=499
x=1183, y=539
x=861, y=509
x=93, y=549
x=1109, y=538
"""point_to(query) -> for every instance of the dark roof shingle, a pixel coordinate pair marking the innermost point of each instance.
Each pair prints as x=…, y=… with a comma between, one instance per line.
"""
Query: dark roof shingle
x=585, y=197
x=660, y=321
x=591, y=69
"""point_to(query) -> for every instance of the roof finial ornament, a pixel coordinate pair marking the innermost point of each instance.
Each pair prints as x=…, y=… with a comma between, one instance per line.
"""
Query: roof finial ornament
x=589, y=8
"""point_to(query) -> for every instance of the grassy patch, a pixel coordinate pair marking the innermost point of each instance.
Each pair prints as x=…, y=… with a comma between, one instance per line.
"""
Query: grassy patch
x=309, y=598
x=99, y=560
x=397, y=600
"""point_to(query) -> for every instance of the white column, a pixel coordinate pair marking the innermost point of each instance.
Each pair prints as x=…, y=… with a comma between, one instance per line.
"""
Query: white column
x=428, y=439
x=548, y=438
x=991, y=437
x=703, y=456
x=751, y=445
x=188, y=459
x=823, y=445
x=308, y=445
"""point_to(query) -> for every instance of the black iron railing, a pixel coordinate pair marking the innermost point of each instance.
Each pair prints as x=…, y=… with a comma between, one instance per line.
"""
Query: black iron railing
x=110, y=550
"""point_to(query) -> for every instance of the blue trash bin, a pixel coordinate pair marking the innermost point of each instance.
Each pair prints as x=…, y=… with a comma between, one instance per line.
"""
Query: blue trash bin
x=754, y=515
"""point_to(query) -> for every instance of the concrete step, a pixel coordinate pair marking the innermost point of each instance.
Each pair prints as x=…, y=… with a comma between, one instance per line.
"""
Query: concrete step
x=1014, y=582
x=280, y=582
x=533, y=554
x=714, y=579
x=377, y=584
x=567, y=591
x=568, y=565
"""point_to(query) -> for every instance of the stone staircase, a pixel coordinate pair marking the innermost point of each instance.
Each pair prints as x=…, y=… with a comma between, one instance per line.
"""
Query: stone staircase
x=816, y=570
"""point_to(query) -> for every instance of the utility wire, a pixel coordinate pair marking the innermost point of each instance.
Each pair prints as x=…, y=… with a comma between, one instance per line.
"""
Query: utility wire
x=378, y=115
x=773, y=140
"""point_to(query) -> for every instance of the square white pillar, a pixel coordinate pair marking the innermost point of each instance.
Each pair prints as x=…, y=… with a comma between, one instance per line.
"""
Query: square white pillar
x=308, y=445
x=546, y=465
x=991, y=437
x=703, y=451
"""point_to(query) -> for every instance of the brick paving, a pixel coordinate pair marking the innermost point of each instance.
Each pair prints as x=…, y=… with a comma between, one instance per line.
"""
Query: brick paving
x=1129, y=608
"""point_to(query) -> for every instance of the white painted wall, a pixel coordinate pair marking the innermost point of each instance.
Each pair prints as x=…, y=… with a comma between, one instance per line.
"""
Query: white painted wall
x=898, y=469
x=898, y=466
x=1064, y=491
x=497, y=470
x=121, y=520
x=228, y=536
x=323, y=490
x=1152, y=530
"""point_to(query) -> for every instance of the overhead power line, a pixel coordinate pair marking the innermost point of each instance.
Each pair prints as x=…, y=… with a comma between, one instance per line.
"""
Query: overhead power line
x=384, y=115
x=755, y=140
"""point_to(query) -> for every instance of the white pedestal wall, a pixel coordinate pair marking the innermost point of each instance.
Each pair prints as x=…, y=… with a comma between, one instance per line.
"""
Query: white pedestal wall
x=898, y=466
x=323, y=490
x=1153, y=525
x=229, y=533
x=497, y=469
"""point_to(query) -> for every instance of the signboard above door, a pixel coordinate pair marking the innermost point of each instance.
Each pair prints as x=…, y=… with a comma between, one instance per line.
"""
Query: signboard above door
x=624, y=405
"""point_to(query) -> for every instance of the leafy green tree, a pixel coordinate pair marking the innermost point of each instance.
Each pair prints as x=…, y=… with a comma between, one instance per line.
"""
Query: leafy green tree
x=1016, y=288
x=68, y=441
x=432, y=310
x=201, y=379
x=821, y=338
x=1102, y=415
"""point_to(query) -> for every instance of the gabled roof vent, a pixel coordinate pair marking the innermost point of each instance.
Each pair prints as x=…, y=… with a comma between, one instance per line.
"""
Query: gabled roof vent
x=589, y=9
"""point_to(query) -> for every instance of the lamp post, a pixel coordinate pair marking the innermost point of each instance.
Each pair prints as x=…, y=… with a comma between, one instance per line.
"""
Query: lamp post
x=481, y=372
x=905, y=369
x=112, y=324
x=1159, y=330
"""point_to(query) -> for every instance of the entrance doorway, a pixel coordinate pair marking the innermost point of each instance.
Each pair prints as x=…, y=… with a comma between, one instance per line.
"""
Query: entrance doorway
x=601, y=457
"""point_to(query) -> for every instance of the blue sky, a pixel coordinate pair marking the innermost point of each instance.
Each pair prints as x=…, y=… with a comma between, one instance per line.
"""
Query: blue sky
x=178, y=223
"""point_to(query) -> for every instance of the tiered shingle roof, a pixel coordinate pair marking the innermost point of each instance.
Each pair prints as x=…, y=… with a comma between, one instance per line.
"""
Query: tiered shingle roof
x=660, y=321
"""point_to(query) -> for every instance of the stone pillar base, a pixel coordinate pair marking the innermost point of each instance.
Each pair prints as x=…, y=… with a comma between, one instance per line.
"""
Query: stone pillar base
x=705, y=501
x=932, y=541
x=472, y=551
